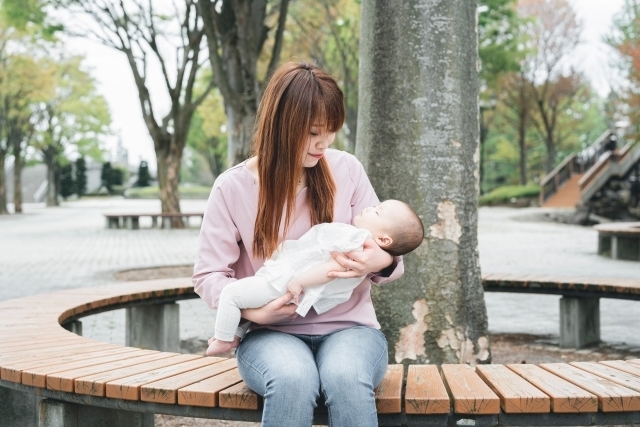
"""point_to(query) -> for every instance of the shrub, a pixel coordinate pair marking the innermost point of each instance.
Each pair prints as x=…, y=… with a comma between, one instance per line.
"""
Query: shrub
x=144, y=177
x=506, y=194
x=186, y=192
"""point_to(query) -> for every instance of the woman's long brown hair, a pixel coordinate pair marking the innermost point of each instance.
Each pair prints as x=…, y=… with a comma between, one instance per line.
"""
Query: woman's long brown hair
x=298, y=96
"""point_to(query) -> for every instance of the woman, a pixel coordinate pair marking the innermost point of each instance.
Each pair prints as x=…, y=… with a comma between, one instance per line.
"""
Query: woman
x=292, y=183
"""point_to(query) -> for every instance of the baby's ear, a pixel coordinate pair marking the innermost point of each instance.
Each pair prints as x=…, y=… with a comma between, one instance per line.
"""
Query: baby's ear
x=384, y=241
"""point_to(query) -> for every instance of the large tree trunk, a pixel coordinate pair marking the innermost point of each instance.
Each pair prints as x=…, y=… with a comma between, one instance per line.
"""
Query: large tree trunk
x=240, y=124
x=236, y=34
x=418, y=139
x=3, y=185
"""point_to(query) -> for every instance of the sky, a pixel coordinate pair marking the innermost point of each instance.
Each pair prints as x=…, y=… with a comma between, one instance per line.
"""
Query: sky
x=115, y=81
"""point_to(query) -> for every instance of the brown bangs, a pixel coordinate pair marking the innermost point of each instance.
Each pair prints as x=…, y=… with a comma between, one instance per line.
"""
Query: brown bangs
x=298, y=96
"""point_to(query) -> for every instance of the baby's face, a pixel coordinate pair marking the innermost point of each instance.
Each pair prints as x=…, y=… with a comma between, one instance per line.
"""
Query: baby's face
x=380, y=220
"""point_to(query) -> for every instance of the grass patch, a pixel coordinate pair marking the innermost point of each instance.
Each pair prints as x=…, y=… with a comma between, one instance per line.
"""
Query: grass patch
x=186, y=192
x=510, y=193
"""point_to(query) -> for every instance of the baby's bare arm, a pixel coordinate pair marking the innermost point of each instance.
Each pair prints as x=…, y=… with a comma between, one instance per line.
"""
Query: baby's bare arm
x=317, y=275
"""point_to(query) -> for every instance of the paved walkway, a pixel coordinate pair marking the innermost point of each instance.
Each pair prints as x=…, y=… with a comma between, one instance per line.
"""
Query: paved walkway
x=67, y=247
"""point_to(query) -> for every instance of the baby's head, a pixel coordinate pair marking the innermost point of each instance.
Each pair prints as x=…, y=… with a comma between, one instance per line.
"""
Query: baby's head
x=395, y=227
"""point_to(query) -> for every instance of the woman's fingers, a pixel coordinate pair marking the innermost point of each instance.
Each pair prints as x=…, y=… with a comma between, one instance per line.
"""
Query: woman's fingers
x=282, y=301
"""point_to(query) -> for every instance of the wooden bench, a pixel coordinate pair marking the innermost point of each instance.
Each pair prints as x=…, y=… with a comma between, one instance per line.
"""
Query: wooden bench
x=132, y=220
x=89, y=383
x=580, y=302
x=619, y=240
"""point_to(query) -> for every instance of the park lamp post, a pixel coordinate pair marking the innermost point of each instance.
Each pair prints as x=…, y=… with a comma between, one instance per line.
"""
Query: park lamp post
x=484, y=105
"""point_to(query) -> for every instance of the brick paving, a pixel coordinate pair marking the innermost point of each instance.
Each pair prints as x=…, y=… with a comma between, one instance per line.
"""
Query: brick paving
x=49, y=249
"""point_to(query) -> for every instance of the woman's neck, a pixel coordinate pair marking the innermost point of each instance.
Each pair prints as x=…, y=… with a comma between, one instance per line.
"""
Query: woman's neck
x=252, y=166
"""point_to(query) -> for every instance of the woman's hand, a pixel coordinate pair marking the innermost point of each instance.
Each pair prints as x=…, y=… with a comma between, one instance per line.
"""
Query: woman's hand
x=273, y=312
x=372, y=259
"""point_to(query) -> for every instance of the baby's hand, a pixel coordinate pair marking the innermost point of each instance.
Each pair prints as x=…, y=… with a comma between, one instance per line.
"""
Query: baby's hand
x=295, y=291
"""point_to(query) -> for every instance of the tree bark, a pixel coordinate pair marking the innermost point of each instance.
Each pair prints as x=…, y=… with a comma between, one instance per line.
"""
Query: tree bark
x=3, y=184
x=17, y=174
x=236, y=35
x=418, y=140
x=168, y=163
x=52, y=178
x=522, y=143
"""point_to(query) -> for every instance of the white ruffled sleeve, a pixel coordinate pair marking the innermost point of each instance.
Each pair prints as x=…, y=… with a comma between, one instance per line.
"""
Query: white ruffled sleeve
x=339, y=237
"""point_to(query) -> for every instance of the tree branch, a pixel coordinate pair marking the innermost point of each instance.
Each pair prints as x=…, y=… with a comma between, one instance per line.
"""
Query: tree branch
x=277, y=44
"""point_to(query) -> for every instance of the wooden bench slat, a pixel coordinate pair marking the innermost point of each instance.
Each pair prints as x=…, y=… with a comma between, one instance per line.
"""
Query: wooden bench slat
x=565, y=397
x=44, y=339
x=64, y=381
x=611, y=396
x=239, y=396
x=205, y=393
x=166, y=390
x=425, y=392
x=624, y=379
x=470, y=394
x=388, y=394
x=37, y=376
x=63, y=344
x=13, y=371
x=128, y=388
x=621, y=365
x=95, y=384
x=516, y=394
x=636, y=361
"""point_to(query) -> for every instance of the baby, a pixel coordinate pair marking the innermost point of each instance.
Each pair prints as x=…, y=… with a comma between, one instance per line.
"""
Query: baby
x=301, y=267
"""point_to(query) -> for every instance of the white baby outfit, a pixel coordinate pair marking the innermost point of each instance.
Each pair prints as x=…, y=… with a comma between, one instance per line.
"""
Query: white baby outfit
x=292, y=258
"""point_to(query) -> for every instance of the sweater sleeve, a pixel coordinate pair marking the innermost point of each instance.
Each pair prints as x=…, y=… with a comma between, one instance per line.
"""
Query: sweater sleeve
x=218, y=247
x=364, y=196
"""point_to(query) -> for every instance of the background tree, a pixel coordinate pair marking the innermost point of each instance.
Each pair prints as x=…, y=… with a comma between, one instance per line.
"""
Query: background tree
x=144, y=177
x=436, y=312
x=22, y=83
x=80, y=177
x=553, y=28
x=67, y=184
x=207, y=136
x=237, y=33
x=74, y=118
x=141, y=31
x=499, y=38
x=328, y=32
x=625, y=39
x=517, y=97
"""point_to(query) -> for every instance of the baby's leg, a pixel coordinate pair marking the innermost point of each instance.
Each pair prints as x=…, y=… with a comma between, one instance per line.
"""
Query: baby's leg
x=251, y=292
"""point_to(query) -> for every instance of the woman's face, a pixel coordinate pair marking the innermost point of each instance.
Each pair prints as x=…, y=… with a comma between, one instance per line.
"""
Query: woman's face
x=318, y=141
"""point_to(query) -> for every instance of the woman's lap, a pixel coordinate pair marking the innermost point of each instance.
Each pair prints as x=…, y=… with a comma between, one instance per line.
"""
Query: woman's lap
x=291, y=370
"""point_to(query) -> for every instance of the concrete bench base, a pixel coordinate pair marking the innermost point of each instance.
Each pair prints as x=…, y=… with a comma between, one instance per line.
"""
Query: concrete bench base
x=54, y=413
x=579, y=322
x=154, y=327
x=619, y=240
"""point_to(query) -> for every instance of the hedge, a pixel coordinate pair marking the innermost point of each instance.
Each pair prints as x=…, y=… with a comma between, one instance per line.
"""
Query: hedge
x=507, y=194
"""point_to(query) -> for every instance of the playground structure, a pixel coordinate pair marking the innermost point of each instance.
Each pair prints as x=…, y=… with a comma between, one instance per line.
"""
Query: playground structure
x=594, y=174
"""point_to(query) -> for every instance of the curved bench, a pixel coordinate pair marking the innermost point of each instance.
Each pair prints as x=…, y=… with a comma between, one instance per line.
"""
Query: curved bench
x=580, y=302
x=619, y=240
x=106, y=384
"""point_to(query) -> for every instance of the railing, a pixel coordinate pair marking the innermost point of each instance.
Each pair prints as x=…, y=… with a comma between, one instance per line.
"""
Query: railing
x=557, y=177
x=573, y=164
x=621, y=159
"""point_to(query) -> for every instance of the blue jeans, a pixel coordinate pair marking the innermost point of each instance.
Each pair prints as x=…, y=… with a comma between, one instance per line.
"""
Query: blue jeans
x=290, y=372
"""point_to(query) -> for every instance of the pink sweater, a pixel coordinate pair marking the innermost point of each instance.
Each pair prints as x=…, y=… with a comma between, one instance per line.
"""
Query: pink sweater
x=226, y=239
